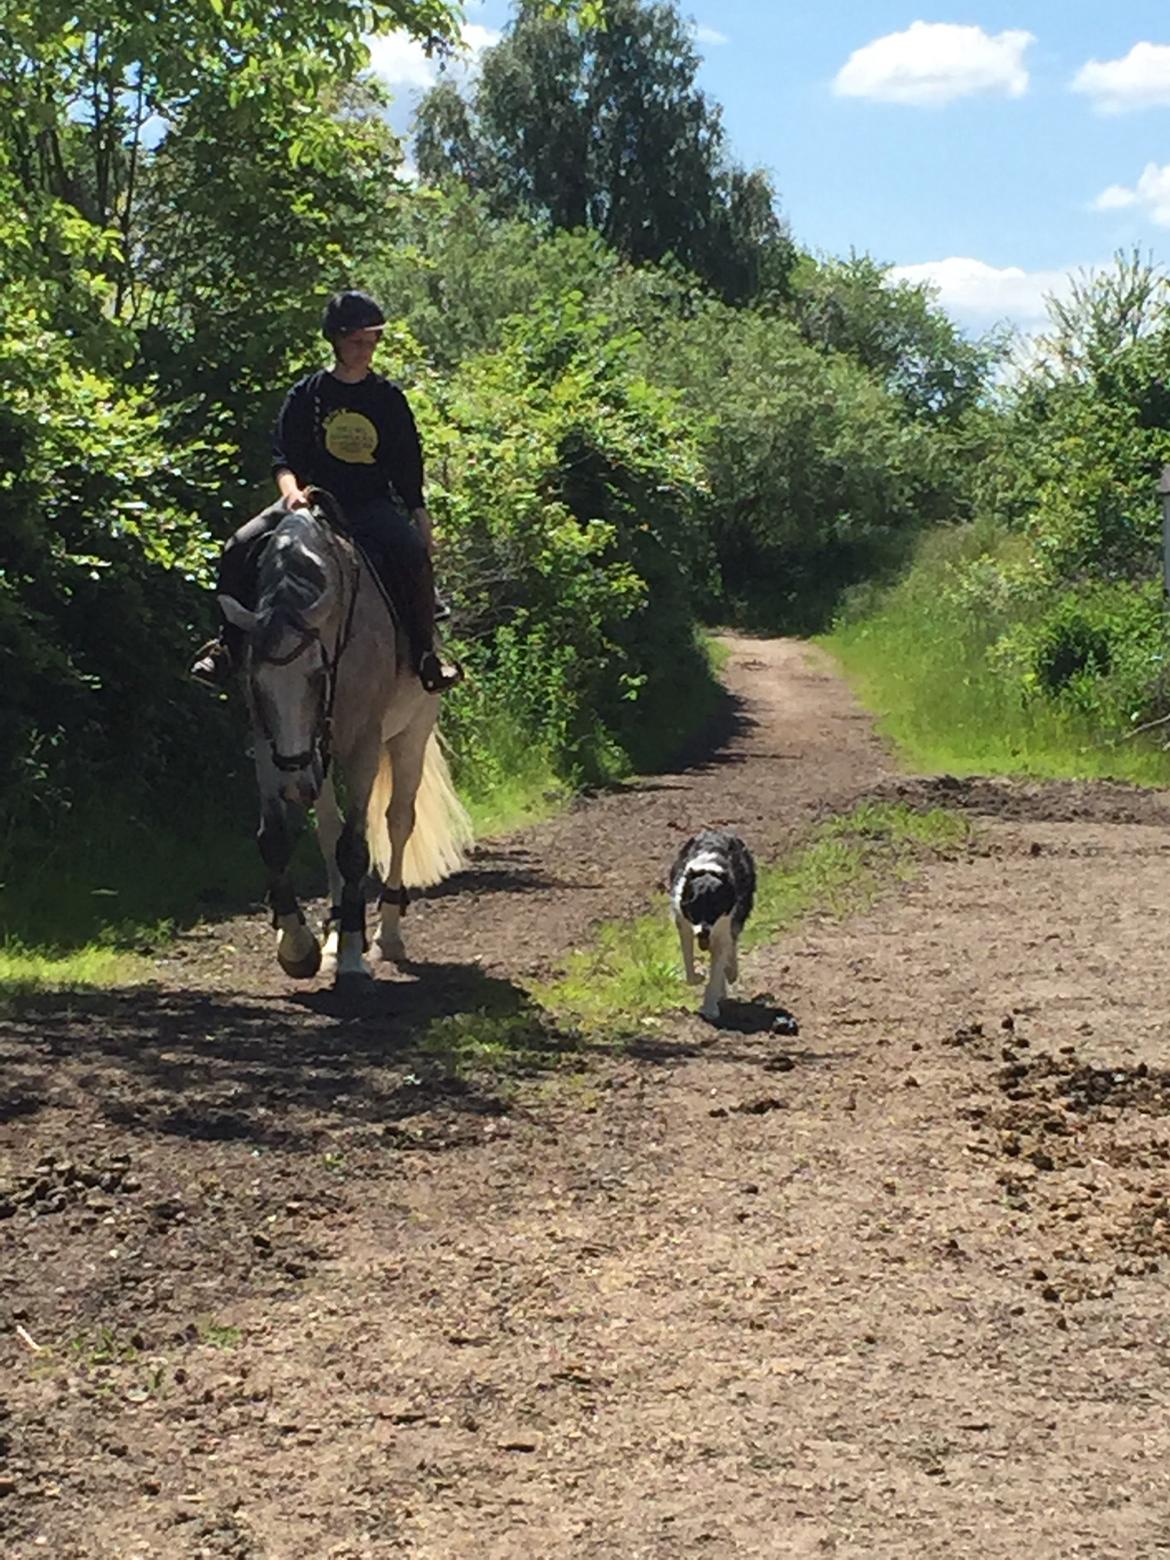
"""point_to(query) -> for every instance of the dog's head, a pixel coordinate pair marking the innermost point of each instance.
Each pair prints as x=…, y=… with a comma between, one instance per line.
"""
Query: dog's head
x=706, y=895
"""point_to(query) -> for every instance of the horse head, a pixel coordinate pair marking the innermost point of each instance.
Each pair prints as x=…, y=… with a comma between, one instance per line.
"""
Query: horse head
x=293, y=638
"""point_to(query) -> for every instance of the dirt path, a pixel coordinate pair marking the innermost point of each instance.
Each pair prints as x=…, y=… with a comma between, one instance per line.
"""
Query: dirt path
x=894, y=1288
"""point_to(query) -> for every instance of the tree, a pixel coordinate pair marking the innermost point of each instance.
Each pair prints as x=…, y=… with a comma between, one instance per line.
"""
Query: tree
x=1106, y=312
x=606, y=129
x=893, y=329
x=86, y=90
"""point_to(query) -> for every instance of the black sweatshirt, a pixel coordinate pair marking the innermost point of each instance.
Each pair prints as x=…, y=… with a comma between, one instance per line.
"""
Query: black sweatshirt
x=358, y=441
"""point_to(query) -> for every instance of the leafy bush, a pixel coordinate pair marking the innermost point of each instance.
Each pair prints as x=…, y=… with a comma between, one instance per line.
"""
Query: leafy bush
x=566, y=489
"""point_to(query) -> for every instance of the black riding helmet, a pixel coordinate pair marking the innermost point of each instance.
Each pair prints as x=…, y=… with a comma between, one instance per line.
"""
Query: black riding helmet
x=348, y=311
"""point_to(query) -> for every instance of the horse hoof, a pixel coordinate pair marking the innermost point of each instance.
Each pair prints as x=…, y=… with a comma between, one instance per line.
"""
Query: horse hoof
x=353, y=980
x=391, y=952
x=303, y=968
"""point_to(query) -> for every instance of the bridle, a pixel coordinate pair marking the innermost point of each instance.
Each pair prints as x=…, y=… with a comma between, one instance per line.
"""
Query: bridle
x=322, y=737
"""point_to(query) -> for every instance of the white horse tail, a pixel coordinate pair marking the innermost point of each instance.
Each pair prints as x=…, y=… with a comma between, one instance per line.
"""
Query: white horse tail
x=442, y=829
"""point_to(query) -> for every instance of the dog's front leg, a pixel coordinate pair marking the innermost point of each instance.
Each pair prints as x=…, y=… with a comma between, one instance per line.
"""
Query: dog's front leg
x=721, y=956
x=686, y=937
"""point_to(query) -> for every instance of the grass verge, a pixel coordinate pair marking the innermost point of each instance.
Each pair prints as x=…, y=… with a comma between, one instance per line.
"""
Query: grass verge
x=951, y=715
x=27, y=972
x=926, y=657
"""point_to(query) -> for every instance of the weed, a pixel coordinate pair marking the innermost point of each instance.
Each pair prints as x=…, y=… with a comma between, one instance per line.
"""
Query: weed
x=219, y=1336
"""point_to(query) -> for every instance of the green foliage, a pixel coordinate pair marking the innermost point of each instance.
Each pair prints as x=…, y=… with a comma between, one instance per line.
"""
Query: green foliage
x=975, y=665
x=820, y=477
x=894, y=331
x=566, y=489
x=96, y=530
x=1036, y=638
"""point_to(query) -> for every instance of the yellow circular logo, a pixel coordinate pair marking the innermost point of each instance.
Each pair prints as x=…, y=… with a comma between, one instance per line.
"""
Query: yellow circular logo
x=351, y=437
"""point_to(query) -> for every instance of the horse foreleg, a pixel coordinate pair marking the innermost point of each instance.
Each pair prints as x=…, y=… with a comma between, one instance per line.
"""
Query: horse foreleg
x=297, y=950
x=407, y=755
x=329, y=827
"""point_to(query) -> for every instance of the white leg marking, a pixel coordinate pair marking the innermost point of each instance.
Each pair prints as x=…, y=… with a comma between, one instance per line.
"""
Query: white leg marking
x=351, y=963
x=686, y=937
x=330, y=950
x=389, y=942
x=721, y=954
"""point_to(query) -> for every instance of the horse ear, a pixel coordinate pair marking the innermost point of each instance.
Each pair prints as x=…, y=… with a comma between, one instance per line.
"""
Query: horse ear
x=237, y=614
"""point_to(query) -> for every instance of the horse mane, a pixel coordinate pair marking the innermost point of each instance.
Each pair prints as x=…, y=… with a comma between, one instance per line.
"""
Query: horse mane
x=292, y=577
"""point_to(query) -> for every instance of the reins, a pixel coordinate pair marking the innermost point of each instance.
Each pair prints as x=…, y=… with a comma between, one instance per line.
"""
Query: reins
x=340, y=645
x=323, y=735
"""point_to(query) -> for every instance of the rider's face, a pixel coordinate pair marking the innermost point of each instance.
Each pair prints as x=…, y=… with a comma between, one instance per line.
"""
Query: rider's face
x=356, y=350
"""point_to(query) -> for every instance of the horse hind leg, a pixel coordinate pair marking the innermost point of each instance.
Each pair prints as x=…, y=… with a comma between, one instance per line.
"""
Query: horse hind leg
x=407, y=756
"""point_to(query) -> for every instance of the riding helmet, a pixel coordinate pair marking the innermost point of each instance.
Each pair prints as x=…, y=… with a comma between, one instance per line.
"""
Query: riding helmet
x=347, y=311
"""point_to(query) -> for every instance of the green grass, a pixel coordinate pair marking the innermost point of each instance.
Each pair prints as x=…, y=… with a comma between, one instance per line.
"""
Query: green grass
x=26, y=972
x=105, y=877
x=521, y=1041
x=632, y=970
x=527, y=796
x=921, y=666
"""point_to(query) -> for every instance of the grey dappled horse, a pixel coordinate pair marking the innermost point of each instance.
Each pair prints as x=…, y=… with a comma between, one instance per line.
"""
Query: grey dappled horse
x=327, y=676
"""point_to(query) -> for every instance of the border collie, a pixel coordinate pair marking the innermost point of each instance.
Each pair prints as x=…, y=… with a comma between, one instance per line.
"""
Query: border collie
x=712, y=889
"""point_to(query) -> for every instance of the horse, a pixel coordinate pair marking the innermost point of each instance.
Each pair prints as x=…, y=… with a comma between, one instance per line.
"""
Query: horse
x=328, y=679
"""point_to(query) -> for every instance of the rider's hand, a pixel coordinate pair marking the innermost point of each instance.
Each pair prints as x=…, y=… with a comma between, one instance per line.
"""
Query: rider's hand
x=296, y=498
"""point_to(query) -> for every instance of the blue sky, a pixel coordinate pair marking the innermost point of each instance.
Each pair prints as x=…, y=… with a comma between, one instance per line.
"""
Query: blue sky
x=992, y=148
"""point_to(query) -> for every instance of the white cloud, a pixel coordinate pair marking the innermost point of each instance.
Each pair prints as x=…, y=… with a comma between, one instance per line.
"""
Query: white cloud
x=1140, y=80
x=477, y=38
x=1115, y=196
x=979, y=294
x=401, y=61
x=935, y=62
x=1151, y=193
x=710, y=35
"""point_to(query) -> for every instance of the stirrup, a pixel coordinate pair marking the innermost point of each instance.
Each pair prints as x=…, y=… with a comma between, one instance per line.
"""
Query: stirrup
x=436, y=675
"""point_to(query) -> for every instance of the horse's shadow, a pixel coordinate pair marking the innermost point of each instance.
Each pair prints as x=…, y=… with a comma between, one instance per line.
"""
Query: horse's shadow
x=290, y=1071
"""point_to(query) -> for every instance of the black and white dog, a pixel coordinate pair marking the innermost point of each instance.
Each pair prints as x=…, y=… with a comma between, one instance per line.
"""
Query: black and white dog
x=712, y=889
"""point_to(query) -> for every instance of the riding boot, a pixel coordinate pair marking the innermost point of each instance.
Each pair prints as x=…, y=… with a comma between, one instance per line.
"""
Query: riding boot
x=219, y=659
x=435, y=674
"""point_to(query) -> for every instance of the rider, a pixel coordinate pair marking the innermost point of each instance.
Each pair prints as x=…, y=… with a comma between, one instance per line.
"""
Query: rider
x=351, y=431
